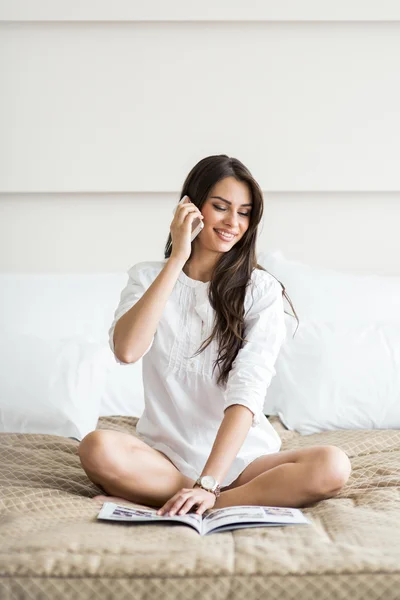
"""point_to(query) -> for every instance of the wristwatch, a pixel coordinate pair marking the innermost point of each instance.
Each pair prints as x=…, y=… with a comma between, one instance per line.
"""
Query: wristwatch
x=209, y=483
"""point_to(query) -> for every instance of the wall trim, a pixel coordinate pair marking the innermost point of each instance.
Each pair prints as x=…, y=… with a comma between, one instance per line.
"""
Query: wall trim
x=207, y=10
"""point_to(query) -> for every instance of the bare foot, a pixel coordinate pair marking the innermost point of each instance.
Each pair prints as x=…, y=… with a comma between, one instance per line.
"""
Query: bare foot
x=110, y=499
x=114, y=499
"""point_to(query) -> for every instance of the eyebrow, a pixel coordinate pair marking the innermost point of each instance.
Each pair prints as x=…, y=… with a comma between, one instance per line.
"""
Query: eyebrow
x=219, y=197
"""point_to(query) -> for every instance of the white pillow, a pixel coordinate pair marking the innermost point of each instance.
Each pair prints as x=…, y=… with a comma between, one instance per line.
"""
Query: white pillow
x=62, y=305
x=318, y=293
x=338, y=376
x=59, y=305
x=123, y=392
x=337, y=311
x=50, y=386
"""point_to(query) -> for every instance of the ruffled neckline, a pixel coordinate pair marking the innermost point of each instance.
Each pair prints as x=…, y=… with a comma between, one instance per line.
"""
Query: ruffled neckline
x=201, y=305
x=183, y=278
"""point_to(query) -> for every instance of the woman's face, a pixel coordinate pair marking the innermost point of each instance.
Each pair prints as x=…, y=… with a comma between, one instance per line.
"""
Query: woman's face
x=227, y=208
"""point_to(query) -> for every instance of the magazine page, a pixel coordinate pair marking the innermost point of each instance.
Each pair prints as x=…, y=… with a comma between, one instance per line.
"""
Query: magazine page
x=119, y=512
x=238, y=517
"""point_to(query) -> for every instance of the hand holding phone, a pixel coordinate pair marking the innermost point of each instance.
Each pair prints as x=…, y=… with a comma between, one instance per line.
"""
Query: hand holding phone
x=197, y=223
x=185, y=226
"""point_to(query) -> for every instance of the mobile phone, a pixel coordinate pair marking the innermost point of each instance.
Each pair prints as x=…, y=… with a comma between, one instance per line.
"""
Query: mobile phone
x=197, y=224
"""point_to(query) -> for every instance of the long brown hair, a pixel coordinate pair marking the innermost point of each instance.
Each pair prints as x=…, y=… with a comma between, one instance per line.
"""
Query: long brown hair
x=232, y=272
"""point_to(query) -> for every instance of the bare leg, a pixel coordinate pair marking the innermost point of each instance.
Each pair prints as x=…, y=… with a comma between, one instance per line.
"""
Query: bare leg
x=285, y=485
x=126, y=468
x=115, y=499
x=129, y=470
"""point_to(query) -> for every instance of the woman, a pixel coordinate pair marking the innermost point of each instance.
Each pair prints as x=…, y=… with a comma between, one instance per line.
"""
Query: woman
x=203, y=440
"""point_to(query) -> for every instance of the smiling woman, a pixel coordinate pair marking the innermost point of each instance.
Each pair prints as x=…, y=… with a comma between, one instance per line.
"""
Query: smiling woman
x=224, y=252
x=226, y=223
x=209, y=324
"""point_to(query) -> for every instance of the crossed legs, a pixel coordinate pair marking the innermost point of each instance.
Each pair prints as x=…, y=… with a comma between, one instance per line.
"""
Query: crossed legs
x=127, y=468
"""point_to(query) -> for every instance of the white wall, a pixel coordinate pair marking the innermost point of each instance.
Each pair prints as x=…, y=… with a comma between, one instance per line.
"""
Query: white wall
x=104, y=110
x=82, y=233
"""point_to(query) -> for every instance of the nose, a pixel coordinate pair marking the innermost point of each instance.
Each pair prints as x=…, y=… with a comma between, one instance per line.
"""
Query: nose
x=232, y=221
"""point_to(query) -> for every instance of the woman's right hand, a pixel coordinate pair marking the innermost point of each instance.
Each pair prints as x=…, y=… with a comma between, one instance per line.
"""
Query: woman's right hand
x=181, y=228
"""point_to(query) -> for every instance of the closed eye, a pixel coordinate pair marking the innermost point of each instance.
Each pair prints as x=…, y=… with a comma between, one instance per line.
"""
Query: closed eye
x=224, y=210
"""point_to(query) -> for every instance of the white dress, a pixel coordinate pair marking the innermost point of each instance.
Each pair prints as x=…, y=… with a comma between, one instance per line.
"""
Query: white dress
x=184, y=407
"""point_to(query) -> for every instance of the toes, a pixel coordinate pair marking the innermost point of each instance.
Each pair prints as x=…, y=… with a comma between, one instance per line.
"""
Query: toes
x=114, y=499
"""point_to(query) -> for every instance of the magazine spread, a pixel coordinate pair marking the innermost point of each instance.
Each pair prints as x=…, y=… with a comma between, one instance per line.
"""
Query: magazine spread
x=213, y=520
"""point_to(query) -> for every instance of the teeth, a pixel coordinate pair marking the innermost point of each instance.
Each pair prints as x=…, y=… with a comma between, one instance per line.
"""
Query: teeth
x=225, y=235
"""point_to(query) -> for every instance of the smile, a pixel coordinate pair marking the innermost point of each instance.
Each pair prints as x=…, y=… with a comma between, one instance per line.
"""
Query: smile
x=224, y=236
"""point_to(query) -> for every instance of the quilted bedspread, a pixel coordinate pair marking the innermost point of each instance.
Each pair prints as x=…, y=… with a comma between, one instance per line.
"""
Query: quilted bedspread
x=52, y=546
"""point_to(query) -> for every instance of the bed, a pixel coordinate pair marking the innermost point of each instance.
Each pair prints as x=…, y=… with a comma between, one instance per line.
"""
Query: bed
x=52, y=546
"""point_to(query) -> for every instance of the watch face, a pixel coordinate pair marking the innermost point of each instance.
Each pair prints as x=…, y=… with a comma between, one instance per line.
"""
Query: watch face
x=208, y=482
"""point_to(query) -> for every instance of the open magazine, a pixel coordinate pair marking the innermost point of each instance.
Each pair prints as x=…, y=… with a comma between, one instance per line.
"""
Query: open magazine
x=212, y=520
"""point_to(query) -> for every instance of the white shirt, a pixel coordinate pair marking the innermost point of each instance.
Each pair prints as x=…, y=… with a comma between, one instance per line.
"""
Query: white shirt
x=184, y=407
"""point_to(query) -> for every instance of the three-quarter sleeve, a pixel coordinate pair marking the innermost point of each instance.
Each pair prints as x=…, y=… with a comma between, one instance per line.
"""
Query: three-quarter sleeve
x=253, y=368
x=133, y=291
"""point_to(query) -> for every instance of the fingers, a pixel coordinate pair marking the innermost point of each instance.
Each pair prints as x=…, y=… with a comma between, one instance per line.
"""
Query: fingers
x=181, y=503
x=200, y=509
x=185, y=209
x=172, y=503
x=186, y=506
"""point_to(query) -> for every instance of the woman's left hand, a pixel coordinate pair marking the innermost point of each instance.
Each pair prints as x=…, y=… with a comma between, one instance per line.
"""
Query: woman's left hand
x=186, y=498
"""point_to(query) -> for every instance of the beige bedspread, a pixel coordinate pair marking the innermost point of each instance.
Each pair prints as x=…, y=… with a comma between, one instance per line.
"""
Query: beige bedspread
x=52, y=546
